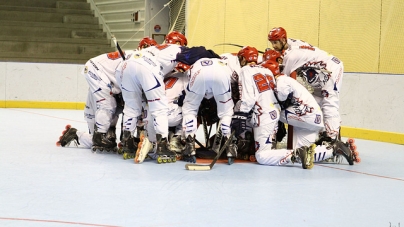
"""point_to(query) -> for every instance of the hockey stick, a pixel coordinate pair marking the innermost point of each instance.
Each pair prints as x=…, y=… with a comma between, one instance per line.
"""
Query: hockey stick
x=236, y=45
x=119, y=48
x=198, y=167
x=205, y=131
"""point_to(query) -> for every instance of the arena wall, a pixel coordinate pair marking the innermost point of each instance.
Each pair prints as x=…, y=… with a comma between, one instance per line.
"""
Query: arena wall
x=371, y=104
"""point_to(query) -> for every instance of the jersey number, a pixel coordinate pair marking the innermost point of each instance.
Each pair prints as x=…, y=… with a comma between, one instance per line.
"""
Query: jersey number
x=263, y=82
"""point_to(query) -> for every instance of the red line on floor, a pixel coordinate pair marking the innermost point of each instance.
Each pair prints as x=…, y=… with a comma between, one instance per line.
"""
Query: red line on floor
x=53, y=221
x=353, y=171
x=48, y=115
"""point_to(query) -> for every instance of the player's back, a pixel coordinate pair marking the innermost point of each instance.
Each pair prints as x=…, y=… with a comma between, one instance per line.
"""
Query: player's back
x=165, y=54
x=108, y=61
x=257, y=84
x=297, y=56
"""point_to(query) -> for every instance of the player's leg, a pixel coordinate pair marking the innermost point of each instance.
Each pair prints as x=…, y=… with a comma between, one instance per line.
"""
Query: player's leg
x=190, y=108
x=221, y=89
x=99, y=86
x=132, y=95
x=265, y=155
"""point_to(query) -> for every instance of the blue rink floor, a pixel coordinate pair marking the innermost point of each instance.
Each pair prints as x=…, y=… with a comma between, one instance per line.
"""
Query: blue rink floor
x=45, y=185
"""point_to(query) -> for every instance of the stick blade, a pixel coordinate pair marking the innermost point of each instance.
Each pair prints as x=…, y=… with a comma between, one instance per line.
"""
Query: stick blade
x=197, y=167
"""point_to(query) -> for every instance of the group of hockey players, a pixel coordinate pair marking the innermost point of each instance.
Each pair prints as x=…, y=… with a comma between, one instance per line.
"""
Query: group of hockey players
x=164, y=92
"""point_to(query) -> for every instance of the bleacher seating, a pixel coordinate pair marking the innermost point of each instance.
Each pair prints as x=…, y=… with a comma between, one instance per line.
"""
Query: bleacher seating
x=50, y=31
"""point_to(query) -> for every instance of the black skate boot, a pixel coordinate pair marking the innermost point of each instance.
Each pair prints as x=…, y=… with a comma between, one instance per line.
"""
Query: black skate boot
x=304, y=155
x=245, y=149
x=101, y=142
x=164, y=154
x=111, y=135
x=189, y=152
x=68, y=135
x=343, y=149
x=231, y=151
x=176, y=144
x=127, y=148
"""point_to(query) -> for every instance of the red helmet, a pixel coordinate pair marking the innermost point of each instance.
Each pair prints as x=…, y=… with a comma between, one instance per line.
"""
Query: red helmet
x=277, y=34
x=271, y=65
x=249, y=53
x=174, y=37
x=146, y=42
x=271, y=55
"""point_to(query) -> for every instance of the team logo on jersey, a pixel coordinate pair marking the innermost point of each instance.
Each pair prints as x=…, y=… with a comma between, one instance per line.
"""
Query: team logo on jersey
x=206, y=62
x=336, y=60
x=318, y=119
x=137, y=55
x=311, y=75
x=86, y=69
x=273, y=114
x=324, y=93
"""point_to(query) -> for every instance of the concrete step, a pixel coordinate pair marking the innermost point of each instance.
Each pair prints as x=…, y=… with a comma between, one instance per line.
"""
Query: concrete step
x=80, y=19
x=34, y=3
x=56, y=40
x=62, y=48
x=51, y=25
x=45, y=58
x=7, y=30
x=47, y=17
x=46, y=10
x=73, y=5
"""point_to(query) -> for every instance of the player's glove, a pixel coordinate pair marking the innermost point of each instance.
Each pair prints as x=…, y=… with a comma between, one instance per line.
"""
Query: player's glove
x=288, y=102
x=238, y=123
x=281, y=133
x=119, y=104
x=180, y=100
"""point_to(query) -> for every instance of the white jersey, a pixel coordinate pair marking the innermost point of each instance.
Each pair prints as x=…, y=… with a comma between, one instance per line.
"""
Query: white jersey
x=107, y=63
x=298, y=56
x=256, y=93
x=297, y=42
x=303, y=102
x=165, y=54
x=233, y=63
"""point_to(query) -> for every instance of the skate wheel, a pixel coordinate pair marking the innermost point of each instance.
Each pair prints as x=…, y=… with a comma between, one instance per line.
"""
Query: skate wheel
x=58, y=144
x=252, y=158
x=67, y=127
x=356, y=154
x=357, y=160
x=351, y=140
x=353, y=147
x=246, y=157
x=164, y=160
x=159, y=160
x=174, y=159
x=169, y=160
